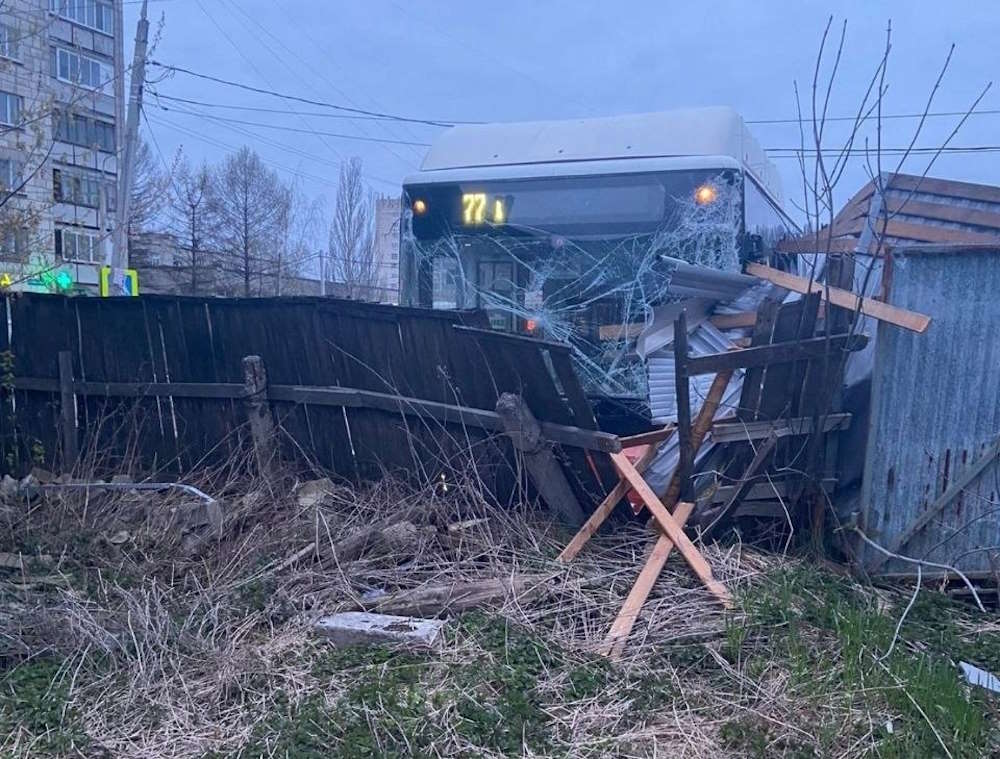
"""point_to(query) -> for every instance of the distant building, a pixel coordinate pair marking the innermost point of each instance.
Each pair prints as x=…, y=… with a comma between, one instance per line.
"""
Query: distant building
x=387, y=213
x=61, y=88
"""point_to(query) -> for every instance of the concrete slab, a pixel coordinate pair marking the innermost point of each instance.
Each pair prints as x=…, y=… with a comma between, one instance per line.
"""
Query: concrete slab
x=351, y=628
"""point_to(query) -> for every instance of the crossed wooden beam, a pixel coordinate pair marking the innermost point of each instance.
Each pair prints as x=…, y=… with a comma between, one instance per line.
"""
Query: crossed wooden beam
x=670, y=525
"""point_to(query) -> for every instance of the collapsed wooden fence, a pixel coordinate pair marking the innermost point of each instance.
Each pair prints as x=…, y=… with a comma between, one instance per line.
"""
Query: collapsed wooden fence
x=358, y=389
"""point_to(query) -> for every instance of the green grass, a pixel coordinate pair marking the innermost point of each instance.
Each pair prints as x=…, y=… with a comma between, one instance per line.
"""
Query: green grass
x=33, y=702
x=833, y=638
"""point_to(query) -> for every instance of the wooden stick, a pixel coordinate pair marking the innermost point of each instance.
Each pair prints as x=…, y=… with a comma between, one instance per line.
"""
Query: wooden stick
x=702, y=424
x=602, y=512
x=614, y=643
x=672, y=530
x=648, y=438
x=876, y=309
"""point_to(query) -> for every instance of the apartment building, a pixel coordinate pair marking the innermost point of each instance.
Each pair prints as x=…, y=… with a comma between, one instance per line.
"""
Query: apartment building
x=387, y=215
x=61, y=127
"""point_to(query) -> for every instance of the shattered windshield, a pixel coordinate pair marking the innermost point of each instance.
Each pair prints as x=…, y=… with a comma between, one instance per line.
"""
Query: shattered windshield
x=579, y=260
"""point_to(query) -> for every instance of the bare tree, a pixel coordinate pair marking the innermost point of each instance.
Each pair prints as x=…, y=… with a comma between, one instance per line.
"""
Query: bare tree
x=148, y=191
x=352, y=251
x=191, y=219
x=298, y=228
x=249, y=206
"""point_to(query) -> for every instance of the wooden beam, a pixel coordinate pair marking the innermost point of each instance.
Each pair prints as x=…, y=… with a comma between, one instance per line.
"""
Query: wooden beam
x=546, y=472
x=733, y=432
x=961, y=483
x=619, y=331
x=653, y=437
x=876, y=309
x=602, y=512
x=614, y=642
x=346, y=397
x=763, y=491
x=443, y=412
x=671, y=529
x=734, y=321
x=776, y=353
x=702, y=424
x=67, y=411
x=682, y=392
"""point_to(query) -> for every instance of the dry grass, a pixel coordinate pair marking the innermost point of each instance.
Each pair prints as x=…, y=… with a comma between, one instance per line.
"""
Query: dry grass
x=154, y=645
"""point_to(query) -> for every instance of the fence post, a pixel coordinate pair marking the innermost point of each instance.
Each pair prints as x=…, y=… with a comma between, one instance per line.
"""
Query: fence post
x=259, y=412
x=67, y=411
x=546, y=472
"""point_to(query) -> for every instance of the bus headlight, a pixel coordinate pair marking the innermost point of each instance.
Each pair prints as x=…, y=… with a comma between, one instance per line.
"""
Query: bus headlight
x=705, y=194
x=419, y=207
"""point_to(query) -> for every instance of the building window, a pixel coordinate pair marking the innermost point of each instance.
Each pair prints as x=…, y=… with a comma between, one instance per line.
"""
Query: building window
x=95, y=14
x=13, y=243
x=83, y=189
x=10, y=109
x=79, y=246
x=84, y=131
x=8, y=42
x=76, y=68
x=11, y=171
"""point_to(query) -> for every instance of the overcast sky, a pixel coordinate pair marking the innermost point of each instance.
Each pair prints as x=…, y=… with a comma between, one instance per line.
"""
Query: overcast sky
x=529, y=59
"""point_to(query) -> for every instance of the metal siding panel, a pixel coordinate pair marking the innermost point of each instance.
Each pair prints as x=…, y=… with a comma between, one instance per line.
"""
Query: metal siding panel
x=936, y=408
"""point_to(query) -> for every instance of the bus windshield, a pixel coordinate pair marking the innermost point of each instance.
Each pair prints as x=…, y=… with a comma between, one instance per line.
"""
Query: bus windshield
x=577, y=259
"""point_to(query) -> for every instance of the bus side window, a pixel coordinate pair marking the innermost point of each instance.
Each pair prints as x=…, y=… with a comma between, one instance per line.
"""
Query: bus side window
x=765, y=225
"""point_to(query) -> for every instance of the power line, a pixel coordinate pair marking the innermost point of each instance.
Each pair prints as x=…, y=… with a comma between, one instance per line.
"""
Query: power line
x=295, y=129
x=258, y=109
x=873, y=117
x=308, y=101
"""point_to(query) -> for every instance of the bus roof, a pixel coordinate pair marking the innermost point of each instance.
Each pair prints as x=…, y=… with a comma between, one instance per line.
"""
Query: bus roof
x=682, y=133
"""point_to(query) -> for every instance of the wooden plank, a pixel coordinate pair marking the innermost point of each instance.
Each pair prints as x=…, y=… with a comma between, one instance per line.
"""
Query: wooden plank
x=649, y=438
x=735, y=432
x=671, y=529
x=602, y=512
x=67, y=411
x=901, y=317
x=767, y=314
x=501, y=337
x=782, y=381
x=614, y=643
x=777, y=353
x=686, y=450
x=330, y=396
x=702, y=424
x=608, y=332
x=746, y=481
x=961, y=482
x=738, y=320
x=583, y=412
x=463, y=415
x=763, y=491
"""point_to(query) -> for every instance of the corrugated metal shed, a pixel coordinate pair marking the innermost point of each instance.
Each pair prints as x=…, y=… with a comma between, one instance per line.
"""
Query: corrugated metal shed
x=935, y=410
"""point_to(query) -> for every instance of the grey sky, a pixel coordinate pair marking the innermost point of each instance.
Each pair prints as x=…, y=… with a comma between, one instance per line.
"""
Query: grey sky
x=527, y=59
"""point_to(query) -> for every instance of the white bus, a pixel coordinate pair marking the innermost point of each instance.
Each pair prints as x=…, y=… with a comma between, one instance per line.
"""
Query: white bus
x=561, y=228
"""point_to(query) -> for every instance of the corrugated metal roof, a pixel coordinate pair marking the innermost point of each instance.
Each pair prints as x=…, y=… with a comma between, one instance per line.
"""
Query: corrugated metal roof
x=936, y=408
x=920, y=210
x=702, y=340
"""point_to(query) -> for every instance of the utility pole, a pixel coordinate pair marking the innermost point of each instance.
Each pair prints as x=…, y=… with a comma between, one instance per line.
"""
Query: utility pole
x=119, y=252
